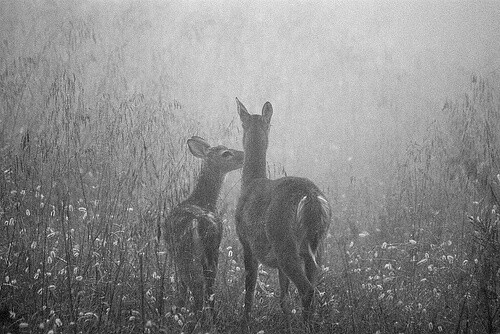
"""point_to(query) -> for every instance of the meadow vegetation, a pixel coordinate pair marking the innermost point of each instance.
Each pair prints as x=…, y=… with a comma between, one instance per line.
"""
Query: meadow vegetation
x=89, y=168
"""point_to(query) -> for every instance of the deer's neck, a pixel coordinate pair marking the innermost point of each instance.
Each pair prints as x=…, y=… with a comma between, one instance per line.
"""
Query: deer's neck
x=254, y=165
x=207, y=189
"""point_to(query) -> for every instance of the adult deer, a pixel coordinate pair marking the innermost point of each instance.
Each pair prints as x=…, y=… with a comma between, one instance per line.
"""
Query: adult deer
x=280, y=223
x=194, y=230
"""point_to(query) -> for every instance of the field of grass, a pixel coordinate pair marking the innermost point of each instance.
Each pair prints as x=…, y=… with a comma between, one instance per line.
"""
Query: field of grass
x=89, y=170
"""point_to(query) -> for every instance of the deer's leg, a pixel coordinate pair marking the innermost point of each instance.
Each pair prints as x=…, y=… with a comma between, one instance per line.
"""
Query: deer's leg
x=284, y=284
x=312, y=257
x=210, y=272
x=251, y=266
x=184, y=279
x=290, y=263
x=183, y=294
x=311, y=269
x=284, y=297
x=196, y=287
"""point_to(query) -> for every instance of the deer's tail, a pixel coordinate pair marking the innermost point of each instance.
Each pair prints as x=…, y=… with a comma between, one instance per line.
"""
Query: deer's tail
x=314, y=215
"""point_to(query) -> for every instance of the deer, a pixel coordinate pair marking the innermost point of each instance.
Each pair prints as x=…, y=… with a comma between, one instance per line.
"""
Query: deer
x=280, y=223
x=194, y=229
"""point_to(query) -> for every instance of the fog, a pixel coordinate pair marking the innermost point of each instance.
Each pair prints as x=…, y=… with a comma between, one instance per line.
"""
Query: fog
x=351, y=83
x=391, y=108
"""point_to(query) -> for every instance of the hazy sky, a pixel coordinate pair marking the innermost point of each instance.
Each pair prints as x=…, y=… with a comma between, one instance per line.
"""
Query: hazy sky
x=349, y=81
x=351, y=73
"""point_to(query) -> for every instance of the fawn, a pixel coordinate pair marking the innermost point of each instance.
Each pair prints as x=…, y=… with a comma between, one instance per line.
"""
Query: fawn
x=194, y=230
x=280, y=223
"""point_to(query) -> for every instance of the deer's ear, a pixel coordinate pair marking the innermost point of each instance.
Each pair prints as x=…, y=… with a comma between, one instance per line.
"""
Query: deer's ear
x=198, y=146
x=242, y=111
x=267, y=112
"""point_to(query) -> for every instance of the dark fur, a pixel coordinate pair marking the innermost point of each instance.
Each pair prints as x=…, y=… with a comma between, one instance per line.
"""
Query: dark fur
x=274, y=227
x=193, y=231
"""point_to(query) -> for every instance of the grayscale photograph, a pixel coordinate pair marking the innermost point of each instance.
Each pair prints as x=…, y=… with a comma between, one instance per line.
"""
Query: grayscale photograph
x=249, y=166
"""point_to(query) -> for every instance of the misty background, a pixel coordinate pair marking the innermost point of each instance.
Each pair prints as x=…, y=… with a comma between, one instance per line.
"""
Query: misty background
x=391, y=107
x=353, y=84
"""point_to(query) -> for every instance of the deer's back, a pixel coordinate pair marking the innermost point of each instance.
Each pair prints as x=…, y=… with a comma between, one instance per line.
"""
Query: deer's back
x=187, y=223
x=268, y=207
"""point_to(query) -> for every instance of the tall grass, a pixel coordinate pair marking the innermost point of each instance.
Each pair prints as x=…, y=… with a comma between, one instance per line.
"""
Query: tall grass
x=90, y=166
x=81, y=201
x=428, y=264
x=85, y=182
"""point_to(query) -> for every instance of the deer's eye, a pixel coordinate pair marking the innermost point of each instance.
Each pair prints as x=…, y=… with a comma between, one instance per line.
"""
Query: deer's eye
x=226, y=154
